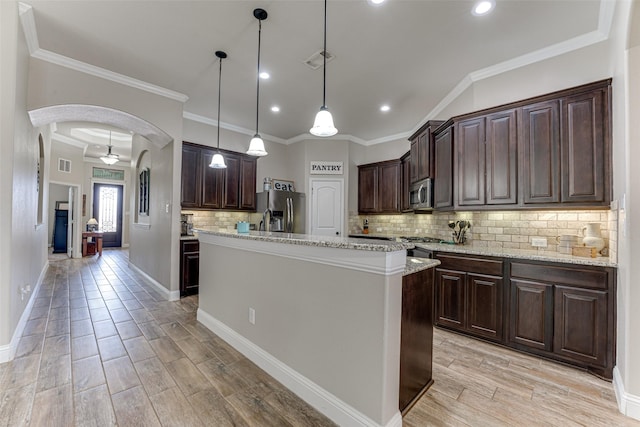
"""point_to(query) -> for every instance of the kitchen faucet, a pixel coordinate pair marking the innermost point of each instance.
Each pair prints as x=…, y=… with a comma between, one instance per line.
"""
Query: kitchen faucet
x=263, y=223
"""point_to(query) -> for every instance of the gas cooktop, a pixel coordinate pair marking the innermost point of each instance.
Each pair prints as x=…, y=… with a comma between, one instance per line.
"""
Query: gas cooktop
x=418, y=239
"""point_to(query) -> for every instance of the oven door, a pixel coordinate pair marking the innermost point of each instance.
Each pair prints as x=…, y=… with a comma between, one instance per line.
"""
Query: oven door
x=420, y=197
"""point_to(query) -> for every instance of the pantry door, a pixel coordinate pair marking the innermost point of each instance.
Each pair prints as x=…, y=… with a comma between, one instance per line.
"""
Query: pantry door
x=327, y=204
x=107, y=209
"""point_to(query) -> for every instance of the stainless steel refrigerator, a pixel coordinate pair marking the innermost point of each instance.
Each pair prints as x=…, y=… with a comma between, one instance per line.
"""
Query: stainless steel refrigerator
x=286, y=211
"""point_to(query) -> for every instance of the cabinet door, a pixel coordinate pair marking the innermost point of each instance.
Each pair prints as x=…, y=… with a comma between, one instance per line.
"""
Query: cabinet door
x=416, y=335
x=540, y=147
x=484, y=305
x=531, y=314
x=501, y=158
x=190, y=195
x=405, y=204
x=470, y=158
x=367, y=189
x=424, y=152
x=189, y=267
x=415, y=155
x=583, y=148
x=580, y=330
x=231, y=194
x=443, y=181
x=389, y=188
x=248, y=183
x=450, y=298
x=212, y=182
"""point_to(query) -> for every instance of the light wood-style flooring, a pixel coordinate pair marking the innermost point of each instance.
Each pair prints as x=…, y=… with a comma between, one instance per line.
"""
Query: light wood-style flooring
x=101, y=347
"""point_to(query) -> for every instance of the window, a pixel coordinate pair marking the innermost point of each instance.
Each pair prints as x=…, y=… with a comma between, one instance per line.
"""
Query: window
x=143, y=193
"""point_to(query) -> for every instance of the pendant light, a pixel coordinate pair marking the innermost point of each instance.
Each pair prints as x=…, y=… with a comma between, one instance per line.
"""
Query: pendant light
x=256, y=146
x=323, y=124
x=110, y=158
x=217, y=161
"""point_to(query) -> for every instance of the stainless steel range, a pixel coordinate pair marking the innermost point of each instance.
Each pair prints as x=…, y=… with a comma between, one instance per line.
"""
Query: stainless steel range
x=420, y=252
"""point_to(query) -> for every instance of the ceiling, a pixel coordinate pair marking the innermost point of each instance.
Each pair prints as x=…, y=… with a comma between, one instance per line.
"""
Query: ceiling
x=408, y=54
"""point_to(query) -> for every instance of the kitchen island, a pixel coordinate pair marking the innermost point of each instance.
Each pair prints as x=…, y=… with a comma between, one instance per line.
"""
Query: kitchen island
x=320, y=314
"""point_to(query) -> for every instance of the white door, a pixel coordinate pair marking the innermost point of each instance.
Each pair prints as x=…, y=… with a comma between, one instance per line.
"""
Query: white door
x=327, y=206
x=71, y=220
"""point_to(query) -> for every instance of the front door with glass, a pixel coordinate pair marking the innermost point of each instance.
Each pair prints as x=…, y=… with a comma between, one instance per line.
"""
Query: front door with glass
x=107, y=209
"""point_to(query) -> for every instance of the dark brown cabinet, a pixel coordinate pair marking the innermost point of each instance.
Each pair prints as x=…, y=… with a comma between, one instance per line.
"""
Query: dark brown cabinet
x=486, y=158
x=379, y=187
x=405, y=171
x=190, y=190
x=552, y=151
x=416, y=337
x=189, y=267
x=469, y=295
x=565, y=312
x=422, y=152
x=443, y=168
x=202, y=187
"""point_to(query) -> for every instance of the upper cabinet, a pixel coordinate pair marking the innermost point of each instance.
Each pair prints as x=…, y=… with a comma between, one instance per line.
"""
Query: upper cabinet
x=422, y=152
x=552, y=151
x=405, y=171
x=202, y=187
x=379, y=187
x=443, y=167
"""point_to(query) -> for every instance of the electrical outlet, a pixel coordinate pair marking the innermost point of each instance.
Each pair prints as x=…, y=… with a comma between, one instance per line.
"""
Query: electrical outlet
x=539, y=242
x=252, y=316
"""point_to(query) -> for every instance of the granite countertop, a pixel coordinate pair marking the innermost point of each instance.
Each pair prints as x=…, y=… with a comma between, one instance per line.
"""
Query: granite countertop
x=536, y=255
x=415, y=265
x=312, y=240
x=193, y=237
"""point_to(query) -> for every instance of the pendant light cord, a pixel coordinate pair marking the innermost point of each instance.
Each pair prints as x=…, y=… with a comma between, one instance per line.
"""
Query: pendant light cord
x=258, y=76
x=324, y=56
x=219, y=96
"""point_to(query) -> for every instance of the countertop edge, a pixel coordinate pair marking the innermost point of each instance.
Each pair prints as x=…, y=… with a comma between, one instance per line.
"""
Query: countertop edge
x=415, y=265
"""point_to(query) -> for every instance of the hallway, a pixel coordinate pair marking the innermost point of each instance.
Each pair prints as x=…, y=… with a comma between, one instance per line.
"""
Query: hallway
x=101, y=347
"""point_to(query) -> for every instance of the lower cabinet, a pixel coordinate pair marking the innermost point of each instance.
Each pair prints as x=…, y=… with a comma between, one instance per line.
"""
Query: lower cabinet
x=564, y=312
x=189, y=267
x=469, y=295
x=416, y=337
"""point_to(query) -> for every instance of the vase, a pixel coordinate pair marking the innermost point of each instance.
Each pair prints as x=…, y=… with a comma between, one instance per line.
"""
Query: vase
x=592, y=236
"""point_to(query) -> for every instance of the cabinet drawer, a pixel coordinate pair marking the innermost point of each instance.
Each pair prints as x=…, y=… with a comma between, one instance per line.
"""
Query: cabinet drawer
x=190, y=246
x=580, y=276
x=471, y=264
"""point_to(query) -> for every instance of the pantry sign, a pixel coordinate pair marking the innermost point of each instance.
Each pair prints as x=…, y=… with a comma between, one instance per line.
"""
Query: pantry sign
x=326, y=168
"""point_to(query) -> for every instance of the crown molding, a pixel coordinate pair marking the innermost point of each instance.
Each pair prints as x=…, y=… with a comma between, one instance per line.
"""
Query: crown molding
x=29, y=28
x=212, y=122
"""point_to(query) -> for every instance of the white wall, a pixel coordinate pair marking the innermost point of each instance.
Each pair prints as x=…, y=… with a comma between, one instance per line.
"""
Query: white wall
x=23, y=253
x=153, y=250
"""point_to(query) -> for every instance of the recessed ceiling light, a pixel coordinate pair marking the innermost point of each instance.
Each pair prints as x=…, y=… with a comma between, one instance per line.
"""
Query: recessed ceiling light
x=483, y=7
x=385, y=108
x=264, y=75
x=275, y=109
x=376, y=2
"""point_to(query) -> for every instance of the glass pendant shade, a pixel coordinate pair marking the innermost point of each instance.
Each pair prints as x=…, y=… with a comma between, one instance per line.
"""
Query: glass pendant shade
x=217, y=162
x=323, y=124
x=256, y=147
x=110, y=158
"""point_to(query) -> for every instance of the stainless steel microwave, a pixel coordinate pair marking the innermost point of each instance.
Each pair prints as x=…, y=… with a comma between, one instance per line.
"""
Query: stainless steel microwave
x=421, y=195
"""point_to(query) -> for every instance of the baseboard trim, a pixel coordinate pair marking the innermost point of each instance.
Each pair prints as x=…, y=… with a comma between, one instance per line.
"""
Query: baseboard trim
x=628, y=404
x=167, y=294
x=325, y=402
x=8, y=352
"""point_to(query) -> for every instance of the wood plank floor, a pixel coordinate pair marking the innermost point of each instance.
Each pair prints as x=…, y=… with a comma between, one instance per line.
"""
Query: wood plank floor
x=480, y=384
x=101, y=347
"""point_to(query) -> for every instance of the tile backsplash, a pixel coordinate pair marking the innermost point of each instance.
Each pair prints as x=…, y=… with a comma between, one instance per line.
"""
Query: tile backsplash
x=497, y=229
